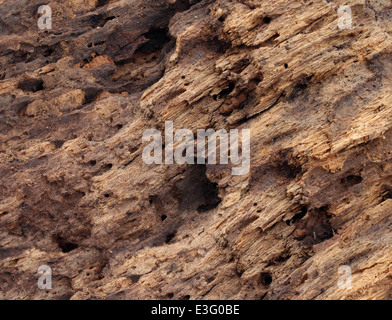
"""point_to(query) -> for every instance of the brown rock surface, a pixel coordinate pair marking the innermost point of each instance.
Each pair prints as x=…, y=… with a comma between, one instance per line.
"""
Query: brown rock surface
x=76, y=195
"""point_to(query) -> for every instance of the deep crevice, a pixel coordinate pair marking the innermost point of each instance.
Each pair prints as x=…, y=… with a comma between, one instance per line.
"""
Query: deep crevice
x=351, y=180
x=31, y=85
x=265, y=279
x=64, y=245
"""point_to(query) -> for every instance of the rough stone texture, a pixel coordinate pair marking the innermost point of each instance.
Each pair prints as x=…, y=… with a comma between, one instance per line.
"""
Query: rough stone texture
x=76, y=195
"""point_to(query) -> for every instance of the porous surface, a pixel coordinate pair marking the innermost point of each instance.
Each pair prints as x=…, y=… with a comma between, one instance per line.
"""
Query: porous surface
x=76, y=195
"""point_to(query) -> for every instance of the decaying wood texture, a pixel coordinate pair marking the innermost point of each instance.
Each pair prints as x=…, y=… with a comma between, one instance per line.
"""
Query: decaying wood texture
x=75, y=194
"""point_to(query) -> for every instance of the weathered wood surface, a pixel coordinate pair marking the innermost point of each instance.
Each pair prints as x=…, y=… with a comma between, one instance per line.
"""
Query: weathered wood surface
x=76, y=195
